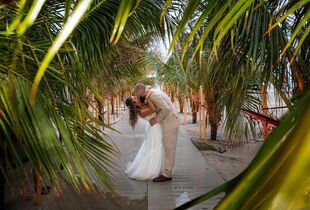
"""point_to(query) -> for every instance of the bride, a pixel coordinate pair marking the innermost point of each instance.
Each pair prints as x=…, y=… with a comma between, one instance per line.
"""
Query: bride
x=148, y=162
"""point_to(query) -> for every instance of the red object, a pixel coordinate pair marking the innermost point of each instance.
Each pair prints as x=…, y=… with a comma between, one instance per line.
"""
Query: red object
x=261, y=117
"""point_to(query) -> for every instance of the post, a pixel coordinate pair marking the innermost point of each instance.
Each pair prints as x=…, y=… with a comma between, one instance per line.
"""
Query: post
x=113, y=106
x=185, y=111
x=203, y=115
x=103, y=120
x=124, y=98
x=94, y=113
x=109, y=112
x=200, y=112
x=38, y=180
x=175, y=102
x=117, y=106
x=264, y=107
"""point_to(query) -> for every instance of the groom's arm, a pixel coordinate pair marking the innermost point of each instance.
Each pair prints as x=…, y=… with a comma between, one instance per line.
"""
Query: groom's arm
x=162, y=107
x=151, y=108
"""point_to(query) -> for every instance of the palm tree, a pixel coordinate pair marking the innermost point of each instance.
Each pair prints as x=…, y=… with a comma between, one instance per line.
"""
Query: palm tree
x=189, y=74
x=245, y=46
x=247, y=40
x=50, y=54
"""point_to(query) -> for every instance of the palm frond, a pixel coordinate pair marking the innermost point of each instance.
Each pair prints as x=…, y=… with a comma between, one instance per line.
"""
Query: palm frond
x=277, y=156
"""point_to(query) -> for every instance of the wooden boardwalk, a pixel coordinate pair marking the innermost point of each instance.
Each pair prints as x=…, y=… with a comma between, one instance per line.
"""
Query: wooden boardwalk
x=192, y=175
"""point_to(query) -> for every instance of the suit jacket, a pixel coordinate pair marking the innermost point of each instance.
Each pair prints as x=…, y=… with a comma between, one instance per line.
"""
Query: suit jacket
x=166, y=114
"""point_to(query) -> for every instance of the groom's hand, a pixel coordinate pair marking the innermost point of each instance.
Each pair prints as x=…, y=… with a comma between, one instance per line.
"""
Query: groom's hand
x=148, y=94
x=153, y=121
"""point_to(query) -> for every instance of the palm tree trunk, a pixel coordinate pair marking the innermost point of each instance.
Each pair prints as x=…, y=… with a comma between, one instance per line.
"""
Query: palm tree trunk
x=213, y=131
x=185, y=111
x=112, y=106
x=194, y=116
x=100, y=111
x=172, y=97
x=181, y=104
x=296, y=71
x=214, y=120
x=109, y=111
x=194, y=108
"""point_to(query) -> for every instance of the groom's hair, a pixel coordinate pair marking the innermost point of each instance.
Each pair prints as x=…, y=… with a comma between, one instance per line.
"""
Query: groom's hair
x=139, y=87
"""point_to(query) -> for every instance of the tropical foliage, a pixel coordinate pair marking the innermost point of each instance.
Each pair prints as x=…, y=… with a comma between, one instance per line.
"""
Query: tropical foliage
x=244, y=45
x=52, y=54
x=275, y=179
x=238, y=58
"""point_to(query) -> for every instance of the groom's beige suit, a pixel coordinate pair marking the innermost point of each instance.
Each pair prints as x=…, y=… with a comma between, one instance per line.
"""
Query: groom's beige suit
x=168, y=118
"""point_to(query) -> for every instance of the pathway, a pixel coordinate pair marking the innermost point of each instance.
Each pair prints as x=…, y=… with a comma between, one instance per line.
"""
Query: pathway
x=192, y=175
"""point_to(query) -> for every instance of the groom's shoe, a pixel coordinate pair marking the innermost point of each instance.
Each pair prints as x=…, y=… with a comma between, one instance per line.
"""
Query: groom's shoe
x=161, y=178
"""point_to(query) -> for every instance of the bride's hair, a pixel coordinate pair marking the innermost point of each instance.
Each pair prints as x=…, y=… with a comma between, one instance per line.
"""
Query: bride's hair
x=133, y=111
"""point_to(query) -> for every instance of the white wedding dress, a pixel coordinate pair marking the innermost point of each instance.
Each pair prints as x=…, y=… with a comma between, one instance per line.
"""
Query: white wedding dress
x=149, y=161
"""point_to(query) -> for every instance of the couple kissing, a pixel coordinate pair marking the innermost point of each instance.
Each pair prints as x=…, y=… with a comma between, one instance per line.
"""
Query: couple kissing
x=156, y=157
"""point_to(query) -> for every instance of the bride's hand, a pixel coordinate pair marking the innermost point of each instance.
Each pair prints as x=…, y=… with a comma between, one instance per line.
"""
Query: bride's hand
x=153, y=121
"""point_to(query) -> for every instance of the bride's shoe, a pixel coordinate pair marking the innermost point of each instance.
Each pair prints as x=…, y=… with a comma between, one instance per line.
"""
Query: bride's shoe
x=162, y=178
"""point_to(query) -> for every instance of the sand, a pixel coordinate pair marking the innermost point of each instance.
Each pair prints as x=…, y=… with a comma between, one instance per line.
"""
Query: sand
x=232, y=162
x=229, y=160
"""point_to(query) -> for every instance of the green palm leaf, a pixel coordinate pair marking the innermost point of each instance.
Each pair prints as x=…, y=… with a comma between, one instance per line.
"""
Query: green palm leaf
x=274, y=157
x=31, y=16
x=69, y=26
x=121, y=19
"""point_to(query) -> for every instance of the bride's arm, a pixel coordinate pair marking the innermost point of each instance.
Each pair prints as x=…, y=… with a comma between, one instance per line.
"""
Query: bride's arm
x=151, y=108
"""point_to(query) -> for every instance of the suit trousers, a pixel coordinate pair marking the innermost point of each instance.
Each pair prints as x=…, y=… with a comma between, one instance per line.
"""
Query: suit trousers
x=170, y=144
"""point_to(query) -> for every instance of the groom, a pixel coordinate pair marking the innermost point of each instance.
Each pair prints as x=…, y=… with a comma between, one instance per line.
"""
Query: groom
x=167, y=117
